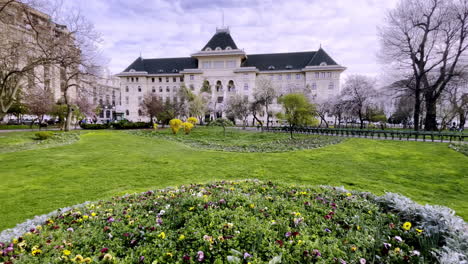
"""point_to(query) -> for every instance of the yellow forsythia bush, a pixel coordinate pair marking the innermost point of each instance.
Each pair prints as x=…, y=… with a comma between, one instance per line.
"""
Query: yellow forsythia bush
x=192, y=120
x=187, y=127
x=175, y=125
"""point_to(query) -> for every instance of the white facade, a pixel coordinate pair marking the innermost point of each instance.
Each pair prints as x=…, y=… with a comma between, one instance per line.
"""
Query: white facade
x=229, y=71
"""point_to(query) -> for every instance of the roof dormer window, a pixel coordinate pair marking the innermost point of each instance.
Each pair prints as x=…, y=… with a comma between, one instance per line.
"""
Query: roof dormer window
x=208, y=49
x=271, y=67
x=132, y=70
x=288, y=67
x=175, y=71
x=218, y=49
x=160, y=70
x=228, y=48
x=323, y=64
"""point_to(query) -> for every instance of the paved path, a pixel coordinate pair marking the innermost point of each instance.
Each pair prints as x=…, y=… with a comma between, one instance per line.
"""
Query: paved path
x=356, y=136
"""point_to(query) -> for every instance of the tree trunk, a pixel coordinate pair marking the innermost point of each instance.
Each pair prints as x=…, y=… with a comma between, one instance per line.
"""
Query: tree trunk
x=462, y=116
x=291, y=131
x=417, y=109
x=430, y=124
x=69, y=118
x=268, y=117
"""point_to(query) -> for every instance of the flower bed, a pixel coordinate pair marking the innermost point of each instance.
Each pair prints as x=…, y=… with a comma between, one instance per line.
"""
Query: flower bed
x=241, y=222
x=255, y=142
x=461, y=147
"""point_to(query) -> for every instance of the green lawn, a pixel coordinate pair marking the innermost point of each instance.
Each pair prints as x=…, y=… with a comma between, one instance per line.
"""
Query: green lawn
x=105, y=163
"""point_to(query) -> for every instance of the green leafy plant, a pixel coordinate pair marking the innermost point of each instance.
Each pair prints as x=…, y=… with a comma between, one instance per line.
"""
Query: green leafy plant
x=43, y=135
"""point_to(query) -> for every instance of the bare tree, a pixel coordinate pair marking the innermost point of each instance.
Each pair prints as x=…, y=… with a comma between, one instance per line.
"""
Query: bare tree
x=152, y=106
x=426, y=40
x=357, y=93
x=238, y=108
x=39, y=102
x=24, y=47
x=265, y=94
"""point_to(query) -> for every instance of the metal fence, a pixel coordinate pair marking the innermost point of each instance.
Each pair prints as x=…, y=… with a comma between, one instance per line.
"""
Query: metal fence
x=382, y=134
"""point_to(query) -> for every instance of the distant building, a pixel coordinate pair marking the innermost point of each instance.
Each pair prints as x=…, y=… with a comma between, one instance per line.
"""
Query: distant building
x=228, y=70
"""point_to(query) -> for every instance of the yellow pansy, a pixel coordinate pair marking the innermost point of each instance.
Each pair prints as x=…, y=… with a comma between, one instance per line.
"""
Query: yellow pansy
x=66, y=252
x=407, y=226
x=162, y=235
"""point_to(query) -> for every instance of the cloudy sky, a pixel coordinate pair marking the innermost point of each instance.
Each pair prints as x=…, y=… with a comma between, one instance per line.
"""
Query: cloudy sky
x=346, y=29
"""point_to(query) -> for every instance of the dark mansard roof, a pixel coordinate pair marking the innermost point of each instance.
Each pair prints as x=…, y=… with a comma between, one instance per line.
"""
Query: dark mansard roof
x=222, y=39
x=288, y=61
x=162, y=66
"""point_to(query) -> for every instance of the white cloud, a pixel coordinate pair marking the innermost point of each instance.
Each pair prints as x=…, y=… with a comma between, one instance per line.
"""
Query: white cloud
x=347, y=30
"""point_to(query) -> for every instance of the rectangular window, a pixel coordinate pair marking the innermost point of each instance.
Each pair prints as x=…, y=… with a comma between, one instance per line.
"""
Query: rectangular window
x=317, y=75
x=168, y=89
x=160, y=79
x=181, y=78
x=152, y=79
x=206, y=65
x=331, y=86
x=298, y=76
x=271, y=76
x=322, y=75
x=160, y=89
x=167, y=79
x=174, y=79
x=280, y=77
x=246, y=86
x=127, y=100
x=288, y=76
x=136, y=79
x=192, y=77
x=329, y=75
x=218, y=64
x=230, y=64
x=140, y=99
x=220, y=99
x=314, y=86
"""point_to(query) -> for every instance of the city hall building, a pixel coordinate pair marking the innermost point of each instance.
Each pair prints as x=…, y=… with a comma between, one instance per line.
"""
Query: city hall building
x=229, y=71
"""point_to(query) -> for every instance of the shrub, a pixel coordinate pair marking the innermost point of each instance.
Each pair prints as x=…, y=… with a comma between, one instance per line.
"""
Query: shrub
x=192, y=120
x=175, y=125
x=43, y=135
x=187, y=127
x=155, y=126
x=94, y=126
x=124, y=124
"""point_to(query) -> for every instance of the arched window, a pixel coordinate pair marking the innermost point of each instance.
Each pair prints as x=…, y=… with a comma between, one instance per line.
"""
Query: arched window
x=139, y=88
x=126, y=89
x=218, y=48
x=168, y=89
x=160, y=89
x=219, y=86
x=139, y=112
x=231, y=87
x=153, y=90
x=127, y=112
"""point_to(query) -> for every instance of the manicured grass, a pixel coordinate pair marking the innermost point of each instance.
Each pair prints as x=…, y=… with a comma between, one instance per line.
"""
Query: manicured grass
x=105, y=163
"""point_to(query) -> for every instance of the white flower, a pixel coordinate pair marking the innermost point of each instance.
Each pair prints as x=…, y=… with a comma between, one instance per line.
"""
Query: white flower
x=398, y=238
